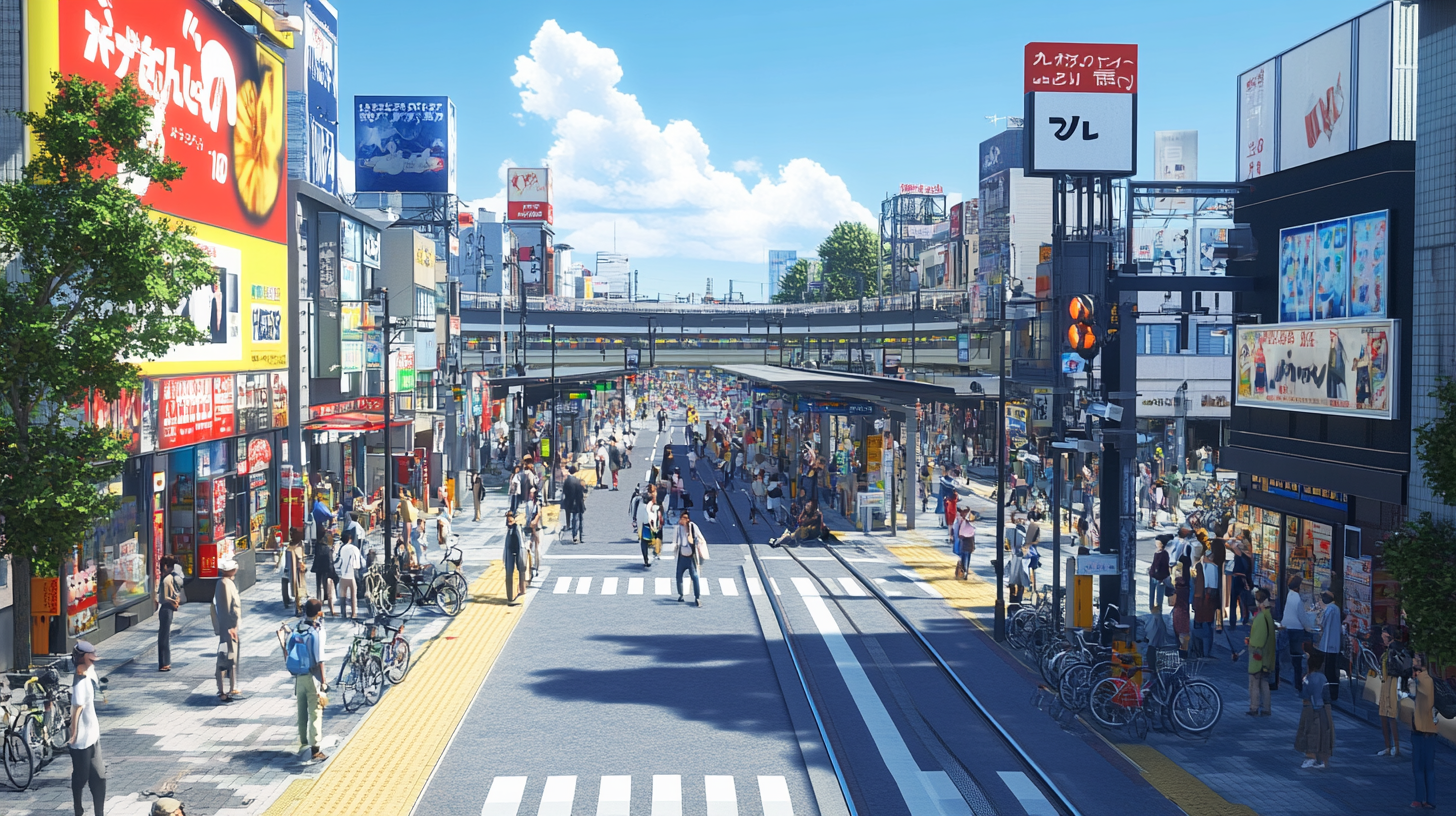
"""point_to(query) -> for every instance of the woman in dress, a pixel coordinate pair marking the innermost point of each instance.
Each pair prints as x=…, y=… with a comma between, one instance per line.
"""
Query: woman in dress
x=1181, y=599
x=1316, y=735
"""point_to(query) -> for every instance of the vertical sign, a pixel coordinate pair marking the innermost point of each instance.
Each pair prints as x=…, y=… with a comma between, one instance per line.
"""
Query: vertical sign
x=1081, y=108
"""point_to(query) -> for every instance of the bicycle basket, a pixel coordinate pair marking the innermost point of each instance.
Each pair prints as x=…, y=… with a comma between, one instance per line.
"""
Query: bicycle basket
x=1168, y=661
x=454, y=556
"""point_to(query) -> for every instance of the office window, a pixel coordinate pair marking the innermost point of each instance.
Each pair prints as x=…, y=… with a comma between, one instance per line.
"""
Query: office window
x=1215, y=340
x=1157, y=338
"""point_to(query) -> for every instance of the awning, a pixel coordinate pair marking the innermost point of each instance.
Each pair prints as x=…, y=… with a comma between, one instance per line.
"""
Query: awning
x=887, y=391
x=354, y=422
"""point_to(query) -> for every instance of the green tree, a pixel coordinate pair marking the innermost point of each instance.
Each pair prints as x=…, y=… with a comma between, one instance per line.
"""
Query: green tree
x=96, y=280
x=1436, y=443
x=1422, y=559
x=794, y=285
x=852, y=250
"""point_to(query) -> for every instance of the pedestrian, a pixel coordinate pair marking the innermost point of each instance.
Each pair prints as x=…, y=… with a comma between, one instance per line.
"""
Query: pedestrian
x=324, y=574
x=303, y=652
x=1033, y=539
x=513, y=557
x=1394, y=669
x=573, y=504
x=614, y=460
x=1219, y=556
x=227, y=616
x=1316, y=735
x=1181, y=598
x=477, y=491
x=1206, y=602
x=293, y=568
x=323, y=518
x=1296, y=622
x=1174, y=494
x=963, y=537
x=693, y=462
x=601, y=459
x=169, y=600
x=417, y=541
x=1263, y=656
x=516, y=487
x=1423, y=735
x=710, y=504
x=1158, y=573
x=1016, y=575
x=773, y=496
x=1330, y=633
x=649, y=526
x=758, y=496
x=1013, y=490
x=532, y=524
x=692, y=551
x=661, y=420
x=348, y=562
x=408, y=513
x=949, y=497
x=88, y=768
x=675, y=492
x=1241, y=582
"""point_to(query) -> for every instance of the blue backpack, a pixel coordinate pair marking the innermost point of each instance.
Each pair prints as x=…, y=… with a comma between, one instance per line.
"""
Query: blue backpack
x=300, y=654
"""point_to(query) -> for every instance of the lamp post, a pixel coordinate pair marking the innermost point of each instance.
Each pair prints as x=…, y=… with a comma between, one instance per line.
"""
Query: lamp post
x=551, y=426
x=379, y=298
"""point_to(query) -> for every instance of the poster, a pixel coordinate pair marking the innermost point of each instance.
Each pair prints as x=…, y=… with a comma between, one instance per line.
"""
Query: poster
x=1211, y=239
x=1016, y=416
x=1332, y=269
x=1369, y=263
x=1339, y=368
x=1296, y=274
x=79, y=584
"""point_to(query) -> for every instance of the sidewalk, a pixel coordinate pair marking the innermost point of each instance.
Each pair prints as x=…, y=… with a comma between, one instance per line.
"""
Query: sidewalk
x=168, y=734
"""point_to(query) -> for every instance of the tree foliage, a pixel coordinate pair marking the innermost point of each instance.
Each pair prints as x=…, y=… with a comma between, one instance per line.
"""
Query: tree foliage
x=96, y=280
x=1436, y=443
x=850, y=251
x=1422, y=559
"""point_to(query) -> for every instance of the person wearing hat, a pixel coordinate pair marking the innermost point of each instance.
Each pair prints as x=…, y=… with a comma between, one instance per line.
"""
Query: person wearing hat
x=88, y=769
x=227, y=615
x=167, y=806
x=513, y=557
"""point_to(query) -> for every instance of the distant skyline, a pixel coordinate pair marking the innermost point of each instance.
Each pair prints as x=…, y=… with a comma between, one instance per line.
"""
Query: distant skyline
x=706, y=136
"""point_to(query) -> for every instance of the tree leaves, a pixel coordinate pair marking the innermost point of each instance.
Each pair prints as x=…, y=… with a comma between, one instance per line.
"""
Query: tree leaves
x=1422, y=558
x=849, y=255
x=1436, y=443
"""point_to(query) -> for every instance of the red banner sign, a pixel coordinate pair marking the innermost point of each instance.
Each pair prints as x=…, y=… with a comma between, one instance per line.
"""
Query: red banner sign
x=195, y=409
x=366, y=404
x=1081, y=67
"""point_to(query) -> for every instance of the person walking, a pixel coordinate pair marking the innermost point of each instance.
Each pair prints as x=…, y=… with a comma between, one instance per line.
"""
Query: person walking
x=1182, y=595
x=1423, y=735
x=417, y=539
x=693, y=462
x=513, y=557
x=601, y=459
x=1241, y=583
x=758, y=496
x=649, y=526
x=661, y=420
x=477, y=491
x=227, y=616
x=692, y=551
x=348, y=562
x=573, y=504
x=1315, y=737
x=1296, y=622
x=324, y=574
x=532, y=524
x=323, y=517
x=294, y=569
x=1391, y=675
x=1158, y=572
x=169, y=600
x=963, y=538
x=614, y=460
x=303, y=651
x=88, y=768
x=1330, y=633
x=1206, y=603
x=515, y=488
x=1017, y=578
x=1263, y=656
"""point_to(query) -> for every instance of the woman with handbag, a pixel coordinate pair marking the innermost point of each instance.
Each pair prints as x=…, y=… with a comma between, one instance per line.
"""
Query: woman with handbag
x=692, y=551
x=1263, y=656
x=1392, y=666
x=1182, y=597
x=649, y=526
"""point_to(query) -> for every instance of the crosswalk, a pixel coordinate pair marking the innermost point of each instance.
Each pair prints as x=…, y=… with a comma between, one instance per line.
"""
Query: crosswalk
x=847, y=587
x=662, y=795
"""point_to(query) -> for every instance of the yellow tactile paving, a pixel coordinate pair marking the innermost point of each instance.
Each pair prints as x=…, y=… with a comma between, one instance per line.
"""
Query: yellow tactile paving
x=383, y=767
x=1184, y=789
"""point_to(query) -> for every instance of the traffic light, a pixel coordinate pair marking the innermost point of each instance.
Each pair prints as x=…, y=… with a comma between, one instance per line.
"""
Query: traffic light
x=1082, y=333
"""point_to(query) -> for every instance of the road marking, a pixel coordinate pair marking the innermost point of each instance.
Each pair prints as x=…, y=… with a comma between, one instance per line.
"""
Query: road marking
x=563, y=586
x=666, y=795
x=583, y=586
x=727, y=586
x=924, y=586
x=722, y=797
x=918, y=792
x=662, y=586
x=609, y=586
x=851, y=586
x=634, y=586
x=505, y=795
x=615, y=798
x=557, y=798
x=887, y=588
x=591, y=557
x=1027, y=793
x=755, y=586
x=773, y=792
x=774, y=582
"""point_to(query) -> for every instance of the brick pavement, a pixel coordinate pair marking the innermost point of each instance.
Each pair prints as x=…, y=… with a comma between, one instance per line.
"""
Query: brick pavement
x=167, y=733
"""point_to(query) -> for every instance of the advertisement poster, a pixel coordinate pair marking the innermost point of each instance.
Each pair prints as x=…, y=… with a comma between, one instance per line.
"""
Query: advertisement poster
x=280, y=399
x=404, y=144
x=1296, y=274
x=1369, y=263
x=78, y=581
x=1314, y=81
x=1016, y=416
x=1211, y=239
x=1332, y=269
x=194, y=409
x=1256, y=122
x=254, y=407
x=321, y=89
x=123, y=417
x=528, y=195
x=1339, y=368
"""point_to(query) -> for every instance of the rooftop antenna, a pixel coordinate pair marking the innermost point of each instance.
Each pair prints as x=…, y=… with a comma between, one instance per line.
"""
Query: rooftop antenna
x=1011, y=121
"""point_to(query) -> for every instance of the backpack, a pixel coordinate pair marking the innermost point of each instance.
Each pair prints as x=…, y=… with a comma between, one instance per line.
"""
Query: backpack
x=1445, y=698
x=300, y=654
x=1398, y=660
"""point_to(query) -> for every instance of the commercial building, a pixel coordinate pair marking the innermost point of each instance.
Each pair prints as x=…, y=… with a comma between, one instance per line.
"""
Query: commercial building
x=964, y=245
x=912, y=223
x=1015, y=222
x=612, y=275
x=779, y=261
x=1321, y=422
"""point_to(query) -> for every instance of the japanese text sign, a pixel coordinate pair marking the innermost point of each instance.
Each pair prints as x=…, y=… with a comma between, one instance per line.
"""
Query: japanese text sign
x=1081, y=67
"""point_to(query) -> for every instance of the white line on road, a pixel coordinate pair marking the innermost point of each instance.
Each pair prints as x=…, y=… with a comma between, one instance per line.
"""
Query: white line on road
x=1027, y=793
x=563, y=586
x=583, y=586
x=727, y=586
x=925, y=587
x=887, y=588
x=634, y=586
x=609, y=586
x=851, y=586
x=560, y=792
x=662, y=586
x=615, y=798
x=666, y=795
x=773, y=792
x=722, y=797
x=504, y=798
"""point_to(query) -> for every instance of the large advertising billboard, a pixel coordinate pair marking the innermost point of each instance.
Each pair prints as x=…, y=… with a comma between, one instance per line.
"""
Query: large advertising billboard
x=1256, y=122
x=528, y=194
x=1346, y=367
x=1335, y=269
x=321, y=93
x=1081, y=108
x=1314, y=91
x=217, y=97
x=404, y=144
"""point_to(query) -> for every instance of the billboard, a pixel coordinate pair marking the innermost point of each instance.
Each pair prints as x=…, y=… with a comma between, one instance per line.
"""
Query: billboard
x=217, y=99
x=404, y=144
x=1346, y=367
x=1256, y=122
x=528, y=194
x=1335, y=269
x=1314, y=88
x=313, y=99
x=1081, y=108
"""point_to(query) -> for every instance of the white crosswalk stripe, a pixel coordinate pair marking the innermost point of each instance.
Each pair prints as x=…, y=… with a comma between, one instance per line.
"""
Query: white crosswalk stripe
x=634, y=586
x=755, y=586
x=614, y=798
x=563, y=586
x=924, y=587
x=609, y=586
x=727, y=586
x=583, y=586
x=888, y=588
x=662, y=586
x=851, y=586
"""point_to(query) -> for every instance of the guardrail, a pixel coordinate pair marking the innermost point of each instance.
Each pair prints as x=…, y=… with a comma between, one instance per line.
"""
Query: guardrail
x=933, y=300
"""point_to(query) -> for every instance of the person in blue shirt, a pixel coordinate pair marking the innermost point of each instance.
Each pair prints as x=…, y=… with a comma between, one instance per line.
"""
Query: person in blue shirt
x=322, y=516
x=1316, y=735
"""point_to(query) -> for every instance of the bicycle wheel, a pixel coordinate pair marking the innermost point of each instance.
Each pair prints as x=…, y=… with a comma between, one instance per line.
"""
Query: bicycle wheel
x=58, y=730
x=1016, y=631
x=396, y=661
x=33, y=732
x=19, y=761
x=1076, y=686
x=457, y=580
x=1140, y=724
x=1196, y=708
x=371, y=677
x=1106, y=702
x=349, y=685
x=1153, y=705
x=447, y=598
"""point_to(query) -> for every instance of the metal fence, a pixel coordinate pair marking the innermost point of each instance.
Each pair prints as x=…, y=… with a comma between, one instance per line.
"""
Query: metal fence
x=933, y=300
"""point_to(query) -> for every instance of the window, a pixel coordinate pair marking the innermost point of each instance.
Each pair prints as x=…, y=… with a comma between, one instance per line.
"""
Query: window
x=1157, y=338
x=1215, y=340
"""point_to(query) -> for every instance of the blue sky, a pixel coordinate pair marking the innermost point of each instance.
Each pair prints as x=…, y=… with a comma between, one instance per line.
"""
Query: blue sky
x=708, y=134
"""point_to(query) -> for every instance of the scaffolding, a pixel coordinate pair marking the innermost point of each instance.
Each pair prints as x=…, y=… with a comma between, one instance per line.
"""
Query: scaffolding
x=910, y=223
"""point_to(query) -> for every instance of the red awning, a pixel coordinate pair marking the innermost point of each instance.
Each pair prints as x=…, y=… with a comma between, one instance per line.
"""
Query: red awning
x=354, y=421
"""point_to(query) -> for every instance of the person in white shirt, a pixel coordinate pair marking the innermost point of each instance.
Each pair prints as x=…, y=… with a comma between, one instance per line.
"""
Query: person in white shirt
x=691, y=551
x=1298, y=622
x=649, y=526
x=348, y=562
x=88, y=769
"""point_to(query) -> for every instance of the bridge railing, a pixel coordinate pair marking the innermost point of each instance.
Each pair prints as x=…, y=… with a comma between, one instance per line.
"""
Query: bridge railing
x=935, y=300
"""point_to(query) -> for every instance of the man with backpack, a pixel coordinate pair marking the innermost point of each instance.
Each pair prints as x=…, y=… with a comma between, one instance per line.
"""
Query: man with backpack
x=303, y=651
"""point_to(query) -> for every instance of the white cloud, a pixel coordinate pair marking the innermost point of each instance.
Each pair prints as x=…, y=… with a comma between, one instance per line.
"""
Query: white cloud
x=615, y=169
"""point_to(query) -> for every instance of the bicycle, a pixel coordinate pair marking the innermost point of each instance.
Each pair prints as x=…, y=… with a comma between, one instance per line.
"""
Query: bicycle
x=361, y=676
x=16, y=752
x=1362, y=663
x=1173, y=698
x=395, y=654
x=394, y=592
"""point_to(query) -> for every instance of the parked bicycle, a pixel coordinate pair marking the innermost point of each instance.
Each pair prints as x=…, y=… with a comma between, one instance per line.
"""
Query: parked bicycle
x=1172, y=698
x=361, y=676
x=20, y=761
x=394, y=592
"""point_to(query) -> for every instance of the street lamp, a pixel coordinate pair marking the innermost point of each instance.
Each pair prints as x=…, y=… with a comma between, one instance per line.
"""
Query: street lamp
x=378, y=303
x=551, y=426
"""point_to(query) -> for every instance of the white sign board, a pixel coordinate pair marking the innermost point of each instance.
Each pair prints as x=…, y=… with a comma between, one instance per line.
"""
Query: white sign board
x=1256, y=122
x=1314, y=91
x=1081, y=133
x=1096, y=565
x=1329, y=367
